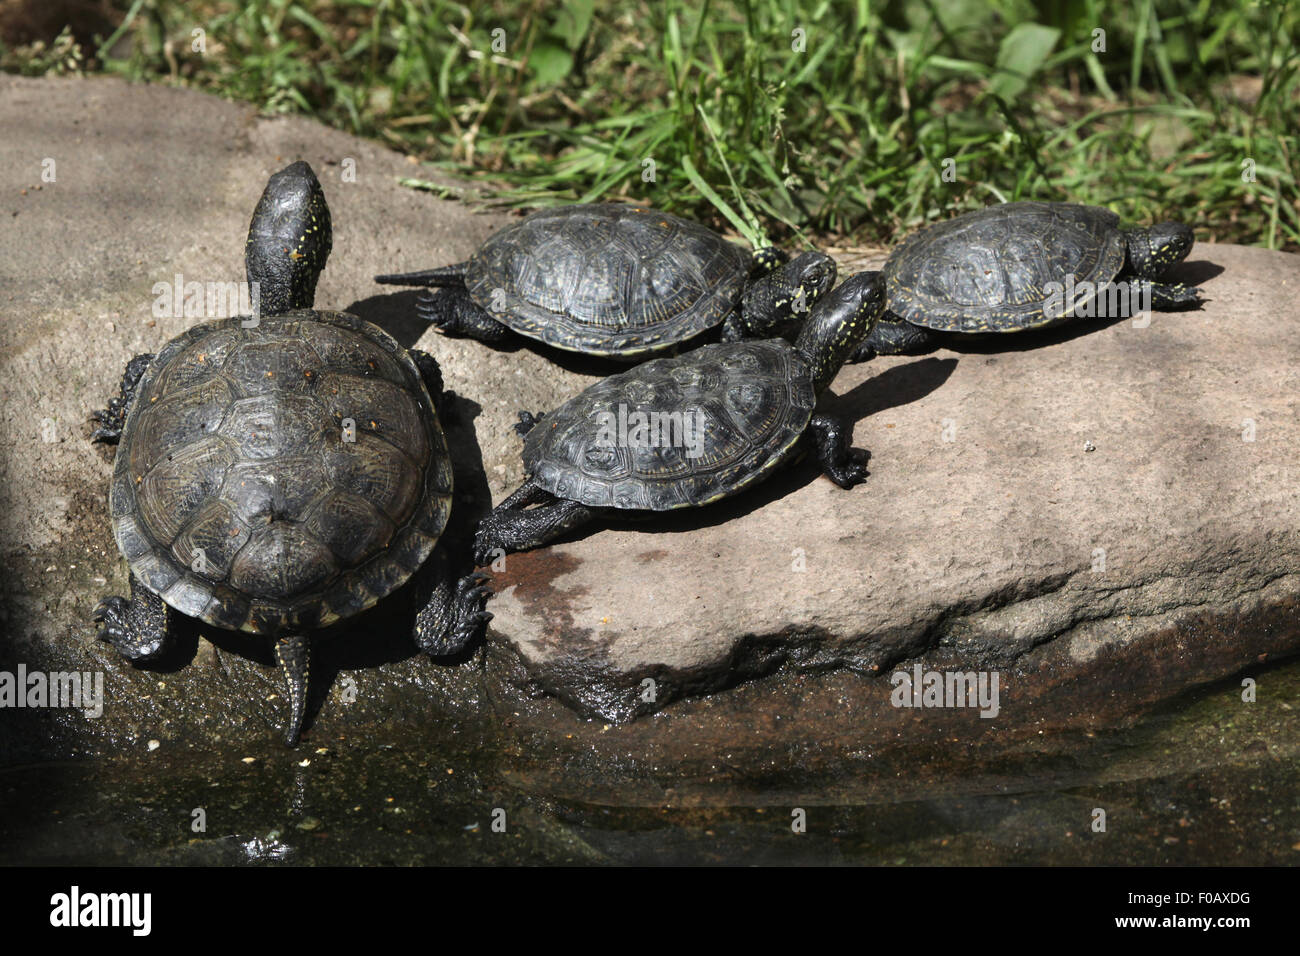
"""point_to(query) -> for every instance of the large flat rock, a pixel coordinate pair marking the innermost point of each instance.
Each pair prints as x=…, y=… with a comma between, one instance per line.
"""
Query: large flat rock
x=767, y=623
x=1090, y=491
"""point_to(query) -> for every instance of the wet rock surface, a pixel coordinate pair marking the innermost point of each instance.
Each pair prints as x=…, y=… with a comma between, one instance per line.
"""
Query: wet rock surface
x=1098, y=583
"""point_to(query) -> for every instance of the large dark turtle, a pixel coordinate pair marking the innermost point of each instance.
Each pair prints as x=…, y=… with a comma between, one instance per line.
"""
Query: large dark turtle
x=282, y=472
x=742, y=409
x=619, y=281
x=1024, y=265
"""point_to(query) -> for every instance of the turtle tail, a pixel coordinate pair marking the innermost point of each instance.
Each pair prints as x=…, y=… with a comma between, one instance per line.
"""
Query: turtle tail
x=291, y=653
x=453, y=275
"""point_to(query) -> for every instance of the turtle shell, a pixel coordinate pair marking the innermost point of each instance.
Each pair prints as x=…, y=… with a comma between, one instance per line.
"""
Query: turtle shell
x=608, y=279
x=242, y=496
x=987, y=271
x=716, y=420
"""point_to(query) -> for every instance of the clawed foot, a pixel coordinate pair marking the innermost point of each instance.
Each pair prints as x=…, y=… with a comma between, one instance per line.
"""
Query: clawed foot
x=439, y=637
x=1174, y=296
x=431, y=306
x=127, y=627
x=488, y=544
x=112, y=420
x=527, y=422
x=852, y=470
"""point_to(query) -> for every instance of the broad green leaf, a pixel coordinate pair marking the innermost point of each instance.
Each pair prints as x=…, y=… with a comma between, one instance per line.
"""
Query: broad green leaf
x=1022, y=52
x=574, y=21
x=549, y=63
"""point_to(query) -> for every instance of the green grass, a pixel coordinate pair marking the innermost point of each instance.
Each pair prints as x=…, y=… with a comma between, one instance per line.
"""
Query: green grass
x=847, y=139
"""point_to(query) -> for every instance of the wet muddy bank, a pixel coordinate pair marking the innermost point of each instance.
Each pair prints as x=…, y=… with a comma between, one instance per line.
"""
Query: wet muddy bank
x=1207, y=779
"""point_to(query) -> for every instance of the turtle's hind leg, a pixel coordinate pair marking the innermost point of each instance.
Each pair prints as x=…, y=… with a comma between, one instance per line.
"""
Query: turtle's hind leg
x=112, y=419
x=842, y=464
x=453, y=616
x=514, y=526
x=137, y=628
x=453, y=312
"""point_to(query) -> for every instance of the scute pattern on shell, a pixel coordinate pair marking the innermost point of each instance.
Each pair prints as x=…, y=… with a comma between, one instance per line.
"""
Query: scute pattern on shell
x=235, y=445
x=754, y=398
x=608, y=279
x=986, y=271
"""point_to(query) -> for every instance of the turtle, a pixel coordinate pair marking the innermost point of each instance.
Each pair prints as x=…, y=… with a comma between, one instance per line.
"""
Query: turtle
x=619, y=281
x=279, y=473
x=687, y=430
x=1022, y=265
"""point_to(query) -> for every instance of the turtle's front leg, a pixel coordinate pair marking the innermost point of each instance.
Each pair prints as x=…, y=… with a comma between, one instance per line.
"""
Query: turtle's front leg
x=1174, y=296
x=432, y=375
x=514, y=526
x=734, y=329
x=453, y=312
x=842, y=464
x=137, y=628
x=527, y=422
x=768, y=258
x=112, y=419
x=895, y=336
x=453, y=616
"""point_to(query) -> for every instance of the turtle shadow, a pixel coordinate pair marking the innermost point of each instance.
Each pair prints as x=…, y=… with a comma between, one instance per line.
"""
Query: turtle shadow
x=395, y=314
x=383, y=634
x=894, y=387
x=992, y=343
x=1194, y=272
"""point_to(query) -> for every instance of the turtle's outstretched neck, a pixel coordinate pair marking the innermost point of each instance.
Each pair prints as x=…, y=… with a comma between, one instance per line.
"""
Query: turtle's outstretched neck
x=289, y=240
x=839, y=323
x=452, y=276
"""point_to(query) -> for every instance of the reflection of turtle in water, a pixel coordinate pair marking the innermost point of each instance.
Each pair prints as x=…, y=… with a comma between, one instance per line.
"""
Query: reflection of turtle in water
x=280, y=473
x=740, y=410
x=619, y=281
x=1022, y=265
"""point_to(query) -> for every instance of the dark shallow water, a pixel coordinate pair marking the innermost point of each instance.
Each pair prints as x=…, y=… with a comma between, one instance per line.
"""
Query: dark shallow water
x=1207, y=779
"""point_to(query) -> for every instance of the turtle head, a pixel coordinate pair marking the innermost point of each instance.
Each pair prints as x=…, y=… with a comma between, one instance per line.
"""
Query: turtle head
x=289, y=240
x=839, y=324
x=785, y=293
x=1153, y=249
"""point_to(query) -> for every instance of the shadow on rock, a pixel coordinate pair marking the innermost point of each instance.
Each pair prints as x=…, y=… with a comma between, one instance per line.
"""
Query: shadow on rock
x=900, y=385
x=1194, y=272
x=394, y=313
